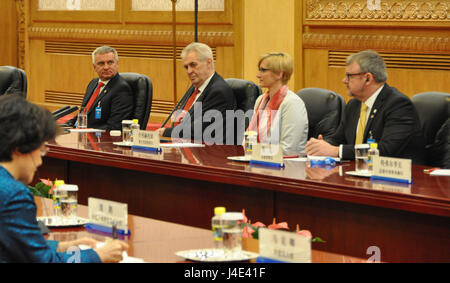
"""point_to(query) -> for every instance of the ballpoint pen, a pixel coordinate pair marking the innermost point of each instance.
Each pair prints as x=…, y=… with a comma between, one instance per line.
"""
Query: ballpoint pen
x=114, y=231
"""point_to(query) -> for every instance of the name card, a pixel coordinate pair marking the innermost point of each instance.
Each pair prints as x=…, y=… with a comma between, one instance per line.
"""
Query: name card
x=392, y=169
x=267, y=154
x=146, y=140
x=103, y=214
x=284, y=246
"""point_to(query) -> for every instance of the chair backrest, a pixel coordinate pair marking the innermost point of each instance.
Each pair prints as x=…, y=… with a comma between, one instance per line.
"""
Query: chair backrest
x=12, y=80
x=245, y=93
x=325, y=110
x=433, y=109
x=434, y=114
x=143, y=94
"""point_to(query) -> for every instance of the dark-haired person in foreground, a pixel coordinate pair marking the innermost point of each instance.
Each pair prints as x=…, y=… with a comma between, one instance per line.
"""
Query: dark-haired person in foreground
x=25, y=128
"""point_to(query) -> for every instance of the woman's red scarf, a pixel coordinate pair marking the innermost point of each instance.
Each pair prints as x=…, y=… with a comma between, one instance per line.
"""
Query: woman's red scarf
x=266, y=114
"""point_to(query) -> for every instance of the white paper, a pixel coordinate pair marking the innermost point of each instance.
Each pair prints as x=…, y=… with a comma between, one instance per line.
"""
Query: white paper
x=440, y=172
x=181, y=145
x=125, y=257
x=86, y=130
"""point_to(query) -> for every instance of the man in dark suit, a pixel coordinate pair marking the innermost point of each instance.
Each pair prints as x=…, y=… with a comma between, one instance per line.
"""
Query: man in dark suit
x=108, y=99
x=378, y=112
x=203, y=109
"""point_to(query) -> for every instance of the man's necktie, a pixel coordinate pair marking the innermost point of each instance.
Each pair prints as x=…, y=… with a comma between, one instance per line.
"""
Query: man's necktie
x=186, y=107
x=362, y=124
x=191, y=100
x=93, y=97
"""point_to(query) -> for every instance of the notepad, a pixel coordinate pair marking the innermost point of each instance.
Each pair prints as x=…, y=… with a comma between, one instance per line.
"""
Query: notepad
x=440, y=172
x=89, y=130
x=126, y=258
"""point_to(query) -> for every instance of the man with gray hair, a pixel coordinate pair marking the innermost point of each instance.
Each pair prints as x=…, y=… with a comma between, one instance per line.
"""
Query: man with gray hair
x=379, y=113
x=109, y=98
x=209, y=95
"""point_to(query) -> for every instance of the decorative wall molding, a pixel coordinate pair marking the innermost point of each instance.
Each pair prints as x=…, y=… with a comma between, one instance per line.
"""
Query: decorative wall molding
x=135, y=36
x=61, y=97
x=408, y=61
x=391, y=10
x=376, y=42
x=124, y=50
x=21, y=37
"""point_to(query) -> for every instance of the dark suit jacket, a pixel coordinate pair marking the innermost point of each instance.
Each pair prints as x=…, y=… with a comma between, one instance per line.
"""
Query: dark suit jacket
x=216, y=96
x=393, y=122
x=116, y=101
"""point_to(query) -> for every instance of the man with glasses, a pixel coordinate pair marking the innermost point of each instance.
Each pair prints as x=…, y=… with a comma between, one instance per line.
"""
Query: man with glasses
x=378, y=112
x=108, y=99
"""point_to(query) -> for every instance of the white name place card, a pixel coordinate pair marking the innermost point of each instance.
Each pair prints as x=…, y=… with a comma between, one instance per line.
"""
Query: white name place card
x=392, y=169
x=146, y=140
x=267, y=154
x=284, y=246
x=106, y=213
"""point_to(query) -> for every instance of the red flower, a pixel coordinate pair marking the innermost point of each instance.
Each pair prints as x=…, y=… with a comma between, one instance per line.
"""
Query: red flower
x=305, y=233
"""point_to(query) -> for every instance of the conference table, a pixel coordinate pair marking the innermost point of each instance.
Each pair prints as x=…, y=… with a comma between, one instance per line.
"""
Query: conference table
x=156, y=241
x=403, y=223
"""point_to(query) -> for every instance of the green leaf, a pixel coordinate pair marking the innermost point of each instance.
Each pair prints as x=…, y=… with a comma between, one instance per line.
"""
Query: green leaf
x=317, y=240
x=41, y=190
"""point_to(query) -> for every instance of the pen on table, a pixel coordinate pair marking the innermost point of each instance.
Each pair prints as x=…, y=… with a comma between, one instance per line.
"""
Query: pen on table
x=428, y=171
x=114, y=231
x=292, y=156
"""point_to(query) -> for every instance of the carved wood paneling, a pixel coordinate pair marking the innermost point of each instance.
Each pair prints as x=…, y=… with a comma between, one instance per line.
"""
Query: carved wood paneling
x=378, y=42
x=392, y=10
x=398, y=60
x=65, y=98
x=161, y=107
x=21, y=28
x=135, y=36
x=124, y=50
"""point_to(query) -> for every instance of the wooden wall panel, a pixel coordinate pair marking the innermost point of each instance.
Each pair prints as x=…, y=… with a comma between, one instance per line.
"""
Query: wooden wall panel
x=412, y=36
x=8, y=33
x=59, y=44
x=309, y=30
x=269, y=26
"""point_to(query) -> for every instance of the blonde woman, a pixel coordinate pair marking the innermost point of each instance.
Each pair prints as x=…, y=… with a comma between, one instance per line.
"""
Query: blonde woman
x=280, y=116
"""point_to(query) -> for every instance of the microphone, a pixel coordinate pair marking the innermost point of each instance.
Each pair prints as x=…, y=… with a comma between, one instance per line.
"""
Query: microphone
x=182, y=100
x=65, y=112
x=60, y=110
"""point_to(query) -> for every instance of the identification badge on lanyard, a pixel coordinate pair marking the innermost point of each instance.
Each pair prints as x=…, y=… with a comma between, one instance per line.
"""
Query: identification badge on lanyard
x=98, y=112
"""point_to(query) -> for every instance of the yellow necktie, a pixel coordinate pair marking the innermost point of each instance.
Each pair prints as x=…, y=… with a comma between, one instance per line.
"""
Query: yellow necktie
x=362, y=124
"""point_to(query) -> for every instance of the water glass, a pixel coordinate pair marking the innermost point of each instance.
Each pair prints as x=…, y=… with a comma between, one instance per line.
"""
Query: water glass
x=250, y=140
x=232, y=234
x=362, y=158
x=82, y=119
x=69, y=203
x=126, y=131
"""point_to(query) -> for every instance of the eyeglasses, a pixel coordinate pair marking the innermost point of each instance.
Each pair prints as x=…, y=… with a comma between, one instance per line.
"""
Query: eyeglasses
x=348, y=75
x=43, y=150
x=263, y=70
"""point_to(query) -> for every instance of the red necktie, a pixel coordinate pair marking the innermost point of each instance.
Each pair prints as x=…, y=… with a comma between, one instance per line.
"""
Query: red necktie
x=186, y=107
x=93, y=97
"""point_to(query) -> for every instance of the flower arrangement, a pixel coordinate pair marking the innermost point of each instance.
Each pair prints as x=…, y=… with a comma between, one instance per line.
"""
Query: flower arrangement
x=251, y=230
x=43, y=189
